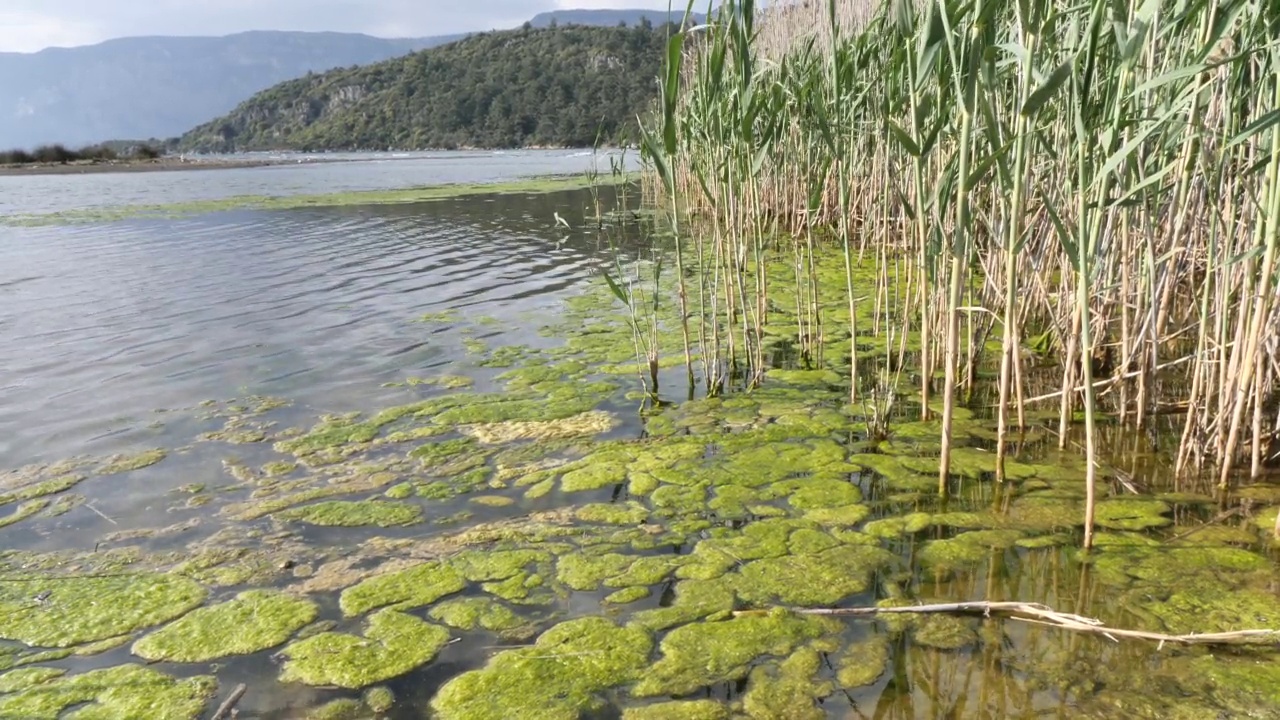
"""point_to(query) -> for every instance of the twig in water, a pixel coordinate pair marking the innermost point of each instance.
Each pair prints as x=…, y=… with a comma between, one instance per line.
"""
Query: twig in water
x=100, y=513
x=225, y=708
x=1045, y=615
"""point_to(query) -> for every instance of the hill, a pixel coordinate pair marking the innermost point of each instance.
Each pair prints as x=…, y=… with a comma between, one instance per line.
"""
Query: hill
x=609, y=18
x=527, y=87
x=149, y=87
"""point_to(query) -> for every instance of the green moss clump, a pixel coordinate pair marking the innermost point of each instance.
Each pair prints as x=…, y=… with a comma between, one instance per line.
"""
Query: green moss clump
x=341, y=513
x=558, y=678
x=255, y=620
x=409, y=588
x=944, y=632
x=630, y=513
x=486, y=565
x=789, y=690
x=379, y=699
x=820, y=579
x=475, y=612
x=893, y=527
x=705, y=653
x=1131, y=514
x=399, y=643
x=816, y=493
x=862, y=663
x=594, y=476
x=967, y=549
x=86, y=609
x=401, y=491
x=627, y=595
x=127, y=463
x=24, y=511
x=340, y=709
x=678, y=710
x=581, y=571
x=695, y=599
x=647, y=570
x=843, y=516
x=125, y=691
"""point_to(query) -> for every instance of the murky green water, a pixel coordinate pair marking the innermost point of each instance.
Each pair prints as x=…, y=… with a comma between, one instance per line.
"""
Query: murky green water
x=193, y=502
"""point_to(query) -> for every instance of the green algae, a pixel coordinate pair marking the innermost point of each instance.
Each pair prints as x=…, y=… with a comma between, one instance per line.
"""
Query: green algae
x=695, y=600
x=628, y=595
x=379, y=699
x=340, y=709
x=943, y=632
x=592, y=422
x=967, y=549
x=124, y=692
x=862, y=663
x=560, y=676
x=1131, y=514
x=24, y=511
x=893, y=527
x=841, y=516
x=788, y=690
x=594, y=476
x=818, y=579
x=429, y=193
x=678, y=710
x=481, y=565
x=629, y=513
x=475, y=612
x=817, y=493
x=405, y=589
x=41, y=489
x=338, y=513
x=393, y=644
x=254, y=620
x=401, y=491
x=82, y=609
x=584, y=572
x=706, y=653
x=128, y=463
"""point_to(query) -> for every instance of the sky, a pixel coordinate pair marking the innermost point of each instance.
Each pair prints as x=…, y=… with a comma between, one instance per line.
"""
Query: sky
x=31, y=25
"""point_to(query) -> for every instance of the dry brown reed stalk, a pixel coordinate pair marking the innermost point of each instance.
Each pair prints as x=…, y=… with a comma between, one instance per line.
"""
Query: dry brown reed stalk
x=1044, y=615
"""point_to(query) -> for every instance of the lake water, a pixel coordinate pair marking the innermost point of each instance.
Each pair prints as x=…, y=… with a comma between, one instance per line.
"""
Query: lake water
x=227, y=341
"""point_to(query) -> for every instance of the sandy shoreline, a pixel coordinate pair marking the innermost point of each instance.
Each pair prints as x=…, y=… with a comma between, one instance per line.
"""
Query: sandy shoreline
x=131, y=166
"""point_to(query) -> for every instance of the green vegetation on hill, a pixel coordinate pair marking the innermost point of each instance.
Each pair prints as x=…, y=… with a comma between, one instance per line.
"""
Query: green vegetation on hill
x=528, y=87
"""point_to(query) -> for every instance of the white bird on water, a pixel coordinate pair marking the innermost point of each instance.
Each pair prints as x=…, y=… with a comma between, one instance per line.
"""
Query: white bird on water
x=559, y=220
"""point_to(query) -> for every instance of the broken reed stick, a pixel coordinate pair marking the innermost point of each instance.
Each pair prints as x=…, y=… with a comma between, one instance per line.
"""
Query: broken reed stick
x=1045, y=615
x=227, y=705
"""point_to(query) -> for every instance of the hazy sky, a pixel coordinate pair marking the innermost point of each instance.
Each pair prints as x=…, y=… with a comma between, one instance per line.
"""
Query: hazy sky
x=30, y=25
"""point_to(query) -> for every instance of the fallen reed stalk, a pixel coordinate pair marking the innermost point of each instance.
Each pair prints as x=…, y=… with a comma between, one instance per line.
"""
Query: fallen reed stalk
x=1045, y=615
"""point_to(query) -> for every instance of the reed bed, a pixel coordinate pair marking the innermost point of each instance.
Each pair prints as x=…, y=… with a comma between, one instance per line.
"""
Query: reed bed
x=1096, y=182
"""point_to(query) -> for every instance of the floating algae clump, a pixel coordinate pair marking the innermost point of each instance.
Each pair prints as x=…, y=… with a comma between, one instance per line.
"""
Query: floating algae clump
x=77, y=610
x=405, y=589
x=24, y=511
x=581, y=571
x=967, y=549
x=705, y=653
x=789, y=691
x=1128, y=514
x=695, y=599
x=126, y=463
x=393, y=644
x=679, y=710
x=819, y=579
x=862, y=663
x=559, y=677
x=483, y=565
x=631, y=513
x=475, y=612
x=255, y=620
x=125, y=692
x=341, y=513
x=582, y=424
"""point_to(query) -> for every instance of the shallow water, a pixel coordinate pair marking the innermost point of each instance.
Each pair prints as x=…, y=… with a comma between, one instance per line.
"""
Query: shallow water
x=141, y=334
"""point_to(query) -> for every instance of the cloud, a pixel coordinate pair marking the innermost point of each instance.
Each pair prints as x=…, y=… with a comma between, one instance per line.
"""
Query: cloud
x=34, y=24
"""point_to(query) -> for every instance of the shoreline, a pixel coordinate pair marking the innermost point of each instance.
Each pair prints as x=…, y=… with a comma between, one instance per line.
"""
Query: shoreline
x=135, y=166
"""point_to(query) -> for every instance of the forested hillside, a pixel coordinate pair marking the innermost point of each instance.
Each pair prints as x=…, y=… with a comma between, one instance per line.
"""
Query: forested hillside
x=557, y=86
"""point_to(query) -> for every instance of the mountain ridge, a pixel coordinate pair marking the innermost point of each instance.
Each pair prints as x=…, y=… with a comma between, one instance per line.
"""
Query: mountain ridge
x=158, y=86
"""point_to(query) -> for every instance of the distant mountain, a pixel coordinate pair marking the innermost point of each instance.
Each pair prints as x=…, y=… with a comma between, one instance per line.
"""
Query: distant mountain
x=609, y=18
x=158, y=87
x=514, y=88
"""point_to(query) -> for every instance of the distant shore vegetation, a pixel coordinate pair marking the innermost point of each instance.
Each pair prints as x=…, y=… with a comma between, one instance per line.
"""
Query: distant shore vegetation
x=57, y=154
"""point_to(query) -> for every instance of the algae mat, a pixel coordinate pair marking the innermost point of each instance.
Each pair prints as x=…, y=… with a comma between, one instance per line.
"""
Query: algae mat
x=525, y=536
